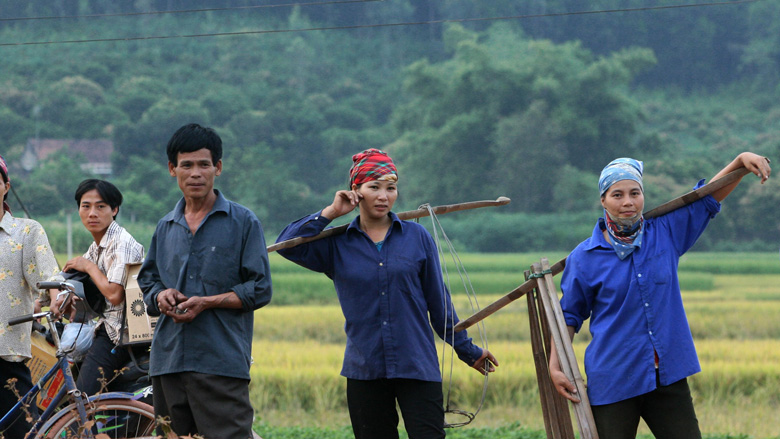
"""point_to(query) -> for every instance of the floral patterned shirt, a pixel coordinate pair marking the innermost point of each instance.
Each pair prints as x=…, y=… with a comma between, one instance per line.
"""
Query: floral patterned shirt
x=25, y=259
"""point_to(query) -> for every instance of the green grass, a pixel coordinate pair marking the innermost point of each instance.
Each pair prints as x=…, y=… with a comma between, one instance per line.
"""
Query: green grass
x=732, y=302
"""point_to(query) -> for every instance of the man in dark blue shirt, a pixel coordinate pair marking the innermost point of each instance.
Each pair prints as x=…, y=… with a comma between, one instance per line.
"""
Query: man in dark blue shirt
x=205, y=274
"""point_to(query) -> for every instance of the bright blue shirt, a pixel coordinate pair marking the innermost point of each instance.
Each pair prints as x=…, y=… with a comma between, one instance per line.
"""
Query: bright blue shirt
x=226, y=253
x=387, y=296
x=634, y=305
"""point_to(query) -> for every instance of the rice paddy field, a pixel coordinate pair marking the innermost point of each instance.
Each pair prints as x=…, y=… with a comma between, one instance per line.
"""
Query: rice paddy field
x=733, y=306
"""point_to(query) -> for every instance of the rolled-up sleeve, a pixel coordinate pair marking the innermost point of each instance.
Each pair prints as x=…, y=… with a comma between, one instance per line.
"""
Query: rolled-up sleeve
x=256, y=291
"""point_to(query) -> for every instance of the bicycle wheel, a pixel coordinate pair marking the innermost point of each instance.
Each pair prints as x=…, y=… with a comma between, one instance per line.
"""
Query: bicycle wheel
x=115, y=418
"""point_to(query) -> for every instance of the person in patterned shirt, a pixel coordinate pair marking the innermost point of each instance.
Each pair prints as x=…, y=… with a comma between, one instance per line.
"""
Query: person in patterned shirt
x=25, y=259
x=104, y=261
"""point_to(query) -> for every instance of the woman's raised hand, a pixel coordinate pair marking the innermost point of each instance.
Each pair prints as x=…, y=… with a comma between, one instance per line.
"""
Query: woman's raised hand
x=756, y=164
x=343, y=203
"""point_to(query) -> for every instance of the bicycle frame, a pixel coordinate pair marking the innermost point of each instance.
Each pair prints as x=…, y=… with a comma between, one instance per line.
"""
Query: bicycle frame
x=68, y=388
x=79, y=402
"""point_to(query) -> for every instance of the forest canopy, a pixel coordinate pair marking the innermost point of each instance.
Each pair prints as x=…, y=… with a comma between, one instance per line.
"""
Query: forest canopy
x=529, y=107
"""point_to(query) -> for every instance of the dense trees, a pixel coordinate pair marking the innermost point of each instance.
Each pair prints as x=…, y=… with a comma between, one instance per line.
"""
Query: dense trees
x=527, y=108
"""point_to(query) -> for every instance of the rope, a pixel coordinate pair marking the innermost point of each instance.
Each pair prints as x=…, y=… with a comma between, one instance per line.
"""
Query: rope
x=473, y=302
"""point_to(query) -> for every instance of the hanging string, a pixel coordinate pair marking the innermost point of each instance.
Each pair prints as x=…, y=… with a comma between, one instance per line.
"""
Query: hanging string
x=449, y=335
x=379, y=25
x=19, y=200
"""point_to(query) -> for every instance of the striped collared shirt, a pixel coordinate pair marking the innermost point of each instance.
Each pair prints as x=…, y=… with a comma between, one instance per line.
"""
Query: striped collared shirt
x=116, y=249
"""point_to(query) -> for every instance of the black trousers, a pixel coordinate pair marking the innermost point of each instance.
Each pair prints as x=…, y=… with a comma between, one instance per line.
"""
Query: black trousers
x=372, y=408
x=213, y=406
x=667, y=410
x=20, y=372
x=100, y=363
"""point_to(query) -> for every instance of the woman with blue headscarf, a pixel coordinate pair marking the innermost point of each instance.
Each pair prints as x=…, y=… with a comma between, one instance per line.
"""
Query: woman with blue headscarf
x=624, y=278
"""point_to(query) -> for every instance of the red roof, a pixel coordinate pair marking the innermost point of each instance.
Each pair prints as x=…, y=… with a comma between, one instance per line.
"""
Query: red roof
x=95, y=151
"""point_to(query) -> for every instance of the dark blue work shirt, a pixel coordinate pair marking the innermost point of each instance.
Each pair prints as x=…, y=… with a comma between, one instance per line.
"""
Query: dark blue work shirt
x=226, y=253
x=387, y=296
x=634, y=305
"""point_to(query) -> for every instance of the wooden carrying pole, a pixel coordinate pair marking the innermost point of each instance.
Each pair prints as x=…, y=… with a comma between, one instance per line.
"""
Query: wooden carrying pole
x=564, y=348
x=411, y=214
x=665, y=208
x=555, y=410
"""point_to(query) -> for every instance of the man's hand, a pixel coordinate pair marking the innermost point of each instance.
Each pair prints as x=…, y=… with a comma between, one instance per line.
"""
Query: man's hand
x=168, y=299
x=189, y=309
x=79, y=264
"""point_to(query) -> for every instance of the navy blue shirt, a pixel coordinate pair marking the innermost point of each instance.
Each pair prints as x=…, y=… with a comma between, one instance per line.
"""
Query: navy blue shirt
x=226, y=253
x=387, y=295
x=634, y=305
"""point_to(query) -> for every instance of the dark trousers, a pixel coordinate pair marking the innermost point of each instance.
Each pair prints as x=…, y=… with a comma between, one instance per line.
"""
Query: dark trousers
x=20, y=372
x=372, y=408
x=101, y=365
x=213, y=406
x=667, y=410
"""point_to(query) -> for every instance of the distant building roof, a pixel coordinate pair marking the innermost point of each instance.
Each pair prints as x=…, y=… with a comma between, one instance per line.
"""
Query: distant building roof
x=97, y=152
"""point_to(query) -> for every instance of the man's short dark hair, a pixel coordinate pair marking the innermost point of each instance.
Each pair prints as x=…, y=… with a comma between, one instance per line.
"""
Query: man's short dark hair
x=193, y=137
x=108, y=192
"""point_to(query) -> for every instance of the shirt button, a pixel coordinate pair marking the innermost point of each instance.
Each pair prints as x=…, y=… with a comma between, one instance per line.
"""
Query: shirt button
x=646, y=305
x=191, y=276
x=382, y=293
x=381, y=264
x=384, y=323
x=639, y=275
x=651, y=332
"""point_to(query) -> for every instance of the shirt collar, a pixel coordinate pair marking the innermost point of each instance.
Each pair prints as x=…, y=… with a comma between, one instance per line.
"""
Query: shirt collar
x=355, y=223
x=7, y=221
x=597, y=240
x=177, y=214
x=112, y=230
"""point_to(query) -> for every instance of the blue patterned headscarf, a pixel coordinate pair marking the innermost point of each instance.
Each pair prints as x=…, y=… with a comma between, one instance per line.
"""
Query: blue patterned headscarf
x=620, y=169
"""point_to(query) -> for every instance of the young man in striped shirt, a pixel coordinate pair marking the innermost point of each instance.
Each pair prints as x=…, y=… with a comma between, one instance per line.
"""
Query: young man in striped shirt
x=104, y=261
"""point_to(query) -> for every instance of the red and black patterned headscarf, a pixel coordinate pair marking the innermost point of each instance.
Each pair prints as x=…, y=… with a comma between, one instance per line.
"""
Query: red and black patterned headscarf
x=372, y=164
x=6, y=179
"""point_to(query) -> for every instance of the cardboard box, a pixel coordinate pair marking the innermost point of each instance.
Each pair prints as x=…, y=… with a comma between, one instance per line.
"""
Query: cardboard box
x=44, y=358
x=140, y=327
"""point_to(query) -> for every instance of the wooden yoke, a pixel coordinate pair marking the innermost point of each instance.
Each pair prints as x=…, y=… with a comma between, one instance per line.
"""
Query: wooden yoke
x=411, y=214
x=558, y=267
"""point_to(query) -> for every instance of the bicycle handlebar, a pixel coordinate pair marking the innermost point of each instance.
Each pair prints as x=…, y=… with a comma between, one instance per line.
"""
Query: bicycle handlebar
x=27, y=318
x=49, y=285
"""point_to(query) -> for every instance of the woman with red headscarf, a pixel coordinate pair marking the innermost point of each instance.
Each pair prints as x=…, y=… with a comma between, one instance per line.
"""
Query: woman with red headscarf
x=389, y=283
x=25, y=259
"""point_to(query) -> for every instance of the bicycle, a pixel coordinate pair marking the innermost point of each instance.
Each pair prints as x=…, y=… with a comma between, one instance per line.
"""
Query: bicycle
x=113, y=414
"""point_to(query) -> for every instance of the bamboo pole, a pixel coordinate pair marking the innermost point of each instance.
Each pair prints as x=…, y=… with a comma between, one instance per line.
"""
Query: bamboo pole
x=557, y=421
x=663, y=209
x=411, y=214
x=561, y=403
x=564, y=349
x=540, y=363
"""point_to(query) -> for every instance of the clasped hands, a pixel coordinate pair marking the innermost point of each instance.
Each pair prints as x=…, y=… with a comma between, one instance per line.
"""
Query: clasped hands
x=176, y=305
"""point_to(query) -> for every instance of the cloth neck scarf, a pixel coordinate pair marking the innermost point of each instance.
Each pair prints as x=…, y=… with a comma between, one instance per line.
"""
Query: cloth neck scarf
x=625, y=235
